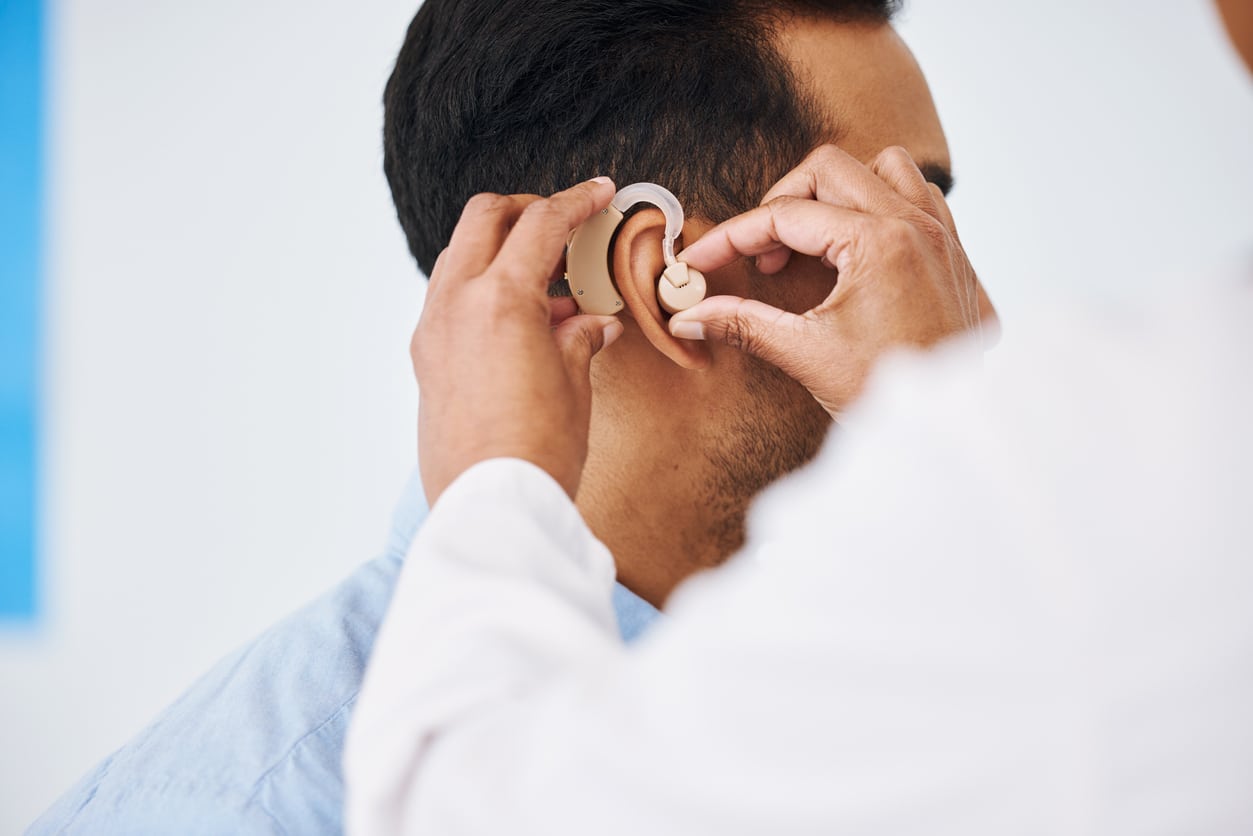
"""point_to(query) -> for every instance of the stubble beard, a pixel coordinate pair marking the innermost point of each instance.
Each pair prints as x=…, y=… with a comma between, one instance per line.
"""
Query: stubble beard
x=779, y=429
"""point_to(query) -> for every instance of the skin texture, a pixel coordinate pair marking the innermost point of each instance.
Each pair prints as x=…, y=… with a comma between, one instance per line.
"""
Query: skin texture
x=486, y=351
x=663, y=442
x=884, y=231
x=684, y=434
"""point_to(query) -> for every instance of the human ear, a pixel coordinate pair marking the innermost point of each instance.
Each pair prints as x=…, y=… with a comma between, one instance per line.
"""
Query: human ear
x=637, y=267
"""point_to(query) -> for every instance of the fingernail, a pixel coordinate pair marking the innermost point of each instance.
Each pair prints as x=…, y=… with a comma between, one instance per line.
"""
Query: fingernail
x=687, y=330
x=602, y=181
x=612, y=331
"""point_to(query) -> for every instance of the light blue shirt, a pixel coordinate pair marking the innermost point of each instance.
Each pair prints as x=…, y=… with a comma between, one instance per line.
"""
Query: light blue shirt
x=255, y=745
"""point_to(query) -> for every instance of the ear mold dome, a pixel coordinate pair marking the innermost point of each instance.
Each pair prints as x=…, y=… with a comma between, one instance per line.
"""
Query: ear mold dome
x=680, y=288
x=588, y=255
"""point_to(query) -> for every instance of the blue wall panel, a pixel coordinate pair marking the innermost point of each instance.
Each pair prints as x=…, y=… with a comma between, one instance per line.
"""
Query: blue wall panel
x=21, y=147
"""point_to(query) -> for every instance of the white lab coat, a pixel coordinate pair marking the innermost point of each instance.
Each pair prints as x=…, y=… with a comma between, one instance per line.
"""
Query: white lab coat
x=1012, y=601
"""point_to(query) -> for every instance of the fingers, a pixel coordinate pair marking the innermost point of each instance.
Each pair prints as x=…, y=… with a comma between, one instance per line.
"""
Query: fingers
x=579, y=338
x=829, y=175
x=897, y=168
x=561, y=308
x=892, y=185
x=484, y=225
x=944, y=214
x=484, y=235
x=989, y=319
x=773, y=261
x=766, y=332
x=891, y=182
x=533, y=248
x=804, y=226
x=439, y=260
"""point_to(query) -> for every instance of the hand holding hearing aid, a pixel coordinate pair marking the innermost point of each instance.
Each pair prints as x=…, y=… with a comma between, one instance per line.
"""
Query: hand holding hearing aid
x=497, y=378
x=901, y=276
x=503, y=368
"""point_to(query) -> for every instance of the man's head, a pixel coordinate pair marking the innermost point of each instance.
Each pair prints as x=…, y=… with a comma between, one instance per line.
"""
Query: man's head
x=713, y=99
x=533, y=95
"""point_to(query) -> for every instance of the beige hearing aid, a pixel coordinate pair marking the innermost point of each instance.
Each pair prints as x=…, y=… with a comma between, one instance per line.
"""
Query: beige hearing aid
x=588, y=255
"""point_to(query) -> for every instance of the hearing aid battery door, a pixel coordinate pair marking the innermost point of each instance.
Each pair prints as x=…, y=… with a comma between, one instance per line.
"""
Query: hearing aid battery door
x=587, y=264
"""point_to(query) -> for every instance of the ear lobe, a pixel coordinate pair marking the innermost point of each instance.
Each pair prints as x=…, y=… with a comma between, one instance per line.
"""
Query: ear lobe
x=637, y=266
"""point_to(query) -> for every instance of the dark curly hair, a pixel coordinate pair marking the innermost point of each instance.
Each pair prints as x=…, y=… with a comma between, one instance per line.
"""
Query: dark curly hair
x=535, y=95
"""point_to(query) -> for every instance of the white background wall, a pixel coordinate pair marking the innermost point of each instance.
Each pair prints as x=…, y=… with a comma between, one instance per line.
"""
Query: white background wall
x=1097, y=146
x=230, y=408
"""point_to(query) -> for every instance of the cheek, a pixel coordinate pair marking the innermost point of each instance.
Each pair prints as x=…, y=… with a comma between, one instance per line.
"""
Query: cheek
x=778, y=426
x=802, y=285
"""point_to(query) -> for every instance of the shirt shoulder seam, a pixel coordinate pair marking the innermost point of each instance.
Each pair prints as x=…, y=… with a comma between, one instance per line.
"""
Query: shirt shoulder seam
x=264, y=778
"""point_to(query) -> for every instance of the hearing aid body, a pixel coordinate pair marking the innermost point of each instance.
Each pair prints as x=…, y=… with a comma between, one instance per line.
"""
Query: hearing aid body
x=588, y=268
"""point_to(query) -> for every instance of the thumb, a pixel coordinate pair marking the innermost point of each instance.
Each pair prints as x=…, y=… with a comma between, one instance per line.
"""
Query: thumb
x=579, y=338
x=773, y=335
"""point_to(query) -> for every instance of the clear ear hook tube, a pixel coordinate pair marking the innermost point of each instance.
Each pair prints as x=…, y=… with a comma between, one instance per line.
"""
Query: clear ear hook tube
x=588, y=251
x=661, y=197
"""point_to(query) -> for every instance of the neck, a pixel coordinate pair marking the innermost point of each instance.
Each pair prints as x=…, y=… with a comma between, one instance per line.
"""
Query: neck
x=649, y=503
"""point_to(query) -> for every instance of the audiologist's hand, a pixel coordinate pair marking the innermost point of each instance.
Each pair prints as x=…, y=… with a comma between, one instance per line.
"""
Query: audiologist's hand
x=503, y=369
x=903, y=278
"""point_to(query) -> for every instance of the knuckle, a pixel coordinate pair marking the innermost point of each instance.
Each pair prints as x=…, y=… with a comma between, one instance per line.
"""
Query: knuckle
x=588, y=338
x=782, y=201
x=418, y=351
x=893, y=159
x=485, y=203
x=896, y=154
x=824, y=152
x=541, y=211
x=741, y=333
x=935, y=231
x=895, y=234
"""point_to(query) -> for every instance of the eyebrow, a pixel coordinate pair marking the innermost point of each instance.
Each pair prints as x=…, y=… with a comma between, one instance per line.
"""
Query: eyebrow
x=938, y=174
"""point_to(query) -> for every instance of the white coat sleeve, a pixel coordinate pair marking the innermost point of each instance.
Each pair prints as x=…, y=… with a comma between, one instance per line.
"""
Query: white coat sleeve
x=988, y=612
x=504, y=588
x=499, y=698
